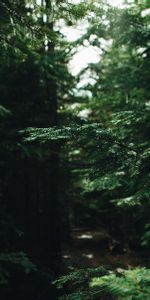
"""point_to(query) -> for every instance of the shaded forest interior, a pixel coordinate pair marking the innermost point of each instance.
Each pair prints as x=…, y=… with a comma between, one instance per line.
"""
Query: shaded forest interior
x=75, y=150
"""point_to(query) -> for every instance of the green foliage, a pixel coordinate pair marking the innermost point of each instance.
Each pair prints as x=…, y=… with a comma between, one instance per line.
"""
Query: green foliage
x=119, y=100
x=79, y=277
x=102, y=160
x=77, y=283
x=11, y=260
x=75, y=131
x=4, y=112
x=100, y=283
x=129, y=284
x=145, y=240
x=80, y=10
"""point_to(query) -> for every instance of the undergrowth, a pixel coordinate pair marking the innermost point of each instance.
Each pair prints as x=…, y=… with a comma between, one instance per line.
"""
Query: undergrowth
x=103, y=284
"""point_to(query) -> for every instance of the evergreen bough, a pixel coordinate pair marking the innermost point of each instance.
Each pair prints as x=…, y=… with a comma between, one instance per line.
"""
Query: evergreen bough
x=100, y=283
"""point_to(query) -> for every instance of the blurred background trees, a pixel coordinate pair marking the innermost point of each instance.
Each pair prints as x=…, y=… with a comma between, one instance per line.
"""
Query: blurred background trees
x=70, y=157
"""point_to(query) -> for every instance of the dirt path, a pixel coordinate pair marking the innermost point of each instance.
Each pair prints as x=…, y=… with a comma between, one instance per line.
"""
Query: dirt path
x=91, y=248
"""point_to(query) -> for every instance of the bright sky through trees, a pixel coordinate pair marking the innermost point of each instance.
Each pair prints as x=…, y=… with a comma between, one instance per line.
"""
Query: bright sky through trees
x=85, y=54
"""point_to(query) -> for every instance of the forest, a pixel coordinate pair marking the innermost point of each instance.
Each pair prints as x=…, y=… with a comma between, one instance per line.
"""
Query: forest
x=75, y=150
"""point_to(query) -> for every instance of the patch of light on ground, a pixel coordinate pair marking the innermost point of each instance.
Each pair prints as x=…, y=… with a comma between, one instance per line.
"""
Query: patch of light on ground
x=85, y=236
x=89, y=256
x=66, y=256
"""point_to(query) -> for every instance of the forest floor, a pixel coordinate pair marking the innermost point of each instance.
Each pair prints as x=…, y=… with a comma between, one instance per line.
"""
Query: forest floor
x=93, y=248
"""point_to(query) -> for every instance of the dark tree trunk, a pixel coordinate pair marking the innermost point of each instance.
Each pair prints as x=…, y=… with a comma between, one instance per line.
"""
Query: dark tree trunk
x=32, y=193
